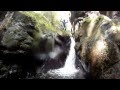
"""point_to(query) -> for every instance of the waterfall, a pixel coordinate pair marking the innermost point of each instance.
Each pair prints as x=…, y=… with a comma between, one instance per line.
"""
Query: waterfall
x=68, y=69
x=70, y=61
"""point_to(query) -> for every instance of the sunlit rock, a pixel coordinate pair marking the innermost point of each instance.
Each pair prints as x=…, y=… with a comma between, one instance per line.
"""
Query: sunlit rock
x=99, y=43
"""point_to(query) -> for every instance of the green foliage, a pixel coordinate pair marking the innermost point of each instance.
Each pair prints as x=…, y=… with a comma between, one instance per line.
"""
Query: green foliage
x=45, y=22
x=45, y=25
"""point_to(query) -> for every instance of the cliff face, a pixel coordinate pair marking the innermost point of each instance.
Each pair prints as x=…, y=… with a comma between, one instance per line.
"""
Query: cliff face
x=98, y=43
x=23, y=34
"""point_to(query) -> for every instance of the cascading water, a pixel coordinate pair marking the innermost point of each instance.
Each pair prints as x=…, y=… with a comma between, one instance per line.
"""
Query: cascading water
x=68, y=70
x=70, y=61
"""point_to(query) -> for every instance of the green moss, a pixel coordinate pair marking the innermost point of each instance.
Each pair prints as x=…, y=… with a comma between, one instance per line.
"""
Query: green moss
x=42, y=24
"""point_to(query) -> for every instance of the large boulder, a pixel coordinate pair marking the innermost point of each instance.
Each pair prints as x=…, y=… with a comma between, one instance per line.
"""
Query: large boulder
x=25, y=30
x=16, y=37
x=23, y=34
x=98, y=39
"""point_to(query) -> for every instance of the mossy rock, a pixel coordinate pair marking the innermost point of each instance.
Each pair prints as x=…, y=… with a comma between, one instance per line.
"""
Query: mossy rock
x=26, y=29
x=16, y=37
x=99, y=44
x=42, y=24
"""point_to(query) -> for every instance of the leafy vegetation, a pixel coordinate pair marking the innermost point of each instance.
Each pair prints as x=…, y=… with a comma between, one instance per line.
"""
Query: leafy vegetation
x=45, y=24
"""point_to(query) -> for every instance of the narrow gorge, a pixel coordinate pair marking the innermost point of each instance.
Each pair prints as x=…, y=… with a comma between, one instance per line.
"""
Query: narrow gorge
x=59, y=44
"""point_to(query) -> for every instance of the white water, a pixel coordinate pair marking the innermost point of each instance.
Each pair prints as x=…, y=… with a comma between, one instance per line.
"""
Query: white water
x=69, y=68
x=70, y=61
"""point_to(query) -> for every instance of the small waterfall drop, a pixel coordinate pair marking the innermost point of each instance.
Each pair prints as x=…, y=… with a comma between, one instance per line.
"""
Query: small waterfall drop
x=68, y=70
x=70, y=61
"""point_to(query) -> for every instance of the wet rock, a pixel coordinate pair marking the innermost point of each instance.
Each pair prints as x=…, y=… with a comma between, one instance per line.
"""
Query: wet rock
x=111, y=14
x=28, y=34
x=2, y=15
x=16, y=37
x=54, y=59
x=112, y=72
x=98, y=44
x=77, y=14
